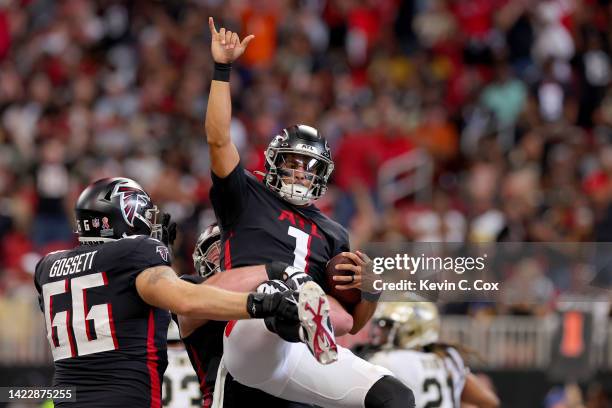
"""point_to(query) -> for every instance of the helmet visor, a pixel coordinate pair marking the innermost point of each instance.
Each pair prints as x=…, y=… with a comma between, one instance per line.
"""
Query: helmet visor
x=299, y=168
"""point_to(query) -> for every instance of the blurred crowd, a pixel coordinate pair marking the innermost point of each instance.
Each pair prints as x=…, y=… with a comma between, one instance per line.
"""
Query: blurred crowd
x=501, y=108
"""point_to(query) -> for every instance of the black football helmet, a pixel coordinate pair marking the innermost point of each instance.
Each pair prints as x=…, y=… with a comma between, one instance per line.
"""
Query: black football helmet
x=114, y=208
x=310, y=148
x=207, y=252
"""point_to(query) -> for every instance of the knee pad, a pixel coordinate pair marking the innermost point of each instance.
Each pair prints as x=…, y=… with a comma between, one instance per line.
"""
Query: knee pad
x=389, y=392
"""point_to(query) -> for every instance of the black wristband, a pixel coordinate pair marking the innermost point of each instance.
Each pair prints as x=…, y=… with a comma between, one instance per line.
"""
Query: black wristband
x=222, y=72
x=371, y=297
x=276, y=270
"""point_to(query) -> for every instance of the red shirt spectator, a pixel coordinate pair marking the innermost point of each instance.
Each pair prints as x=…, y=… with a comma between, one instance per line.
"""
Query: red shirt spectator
x=5, y=34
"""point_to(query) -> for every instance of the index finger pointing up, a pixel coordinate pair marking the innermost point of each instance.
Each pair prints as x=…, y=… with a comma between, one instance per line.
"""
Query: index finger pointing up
x=211, y=25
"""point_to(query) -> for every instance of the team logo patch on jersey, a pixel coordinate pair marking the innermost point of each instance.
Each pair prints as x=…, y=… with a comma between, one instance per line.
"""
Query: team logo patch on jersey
x=95, y=223
x=163, y=252
x=131, y=199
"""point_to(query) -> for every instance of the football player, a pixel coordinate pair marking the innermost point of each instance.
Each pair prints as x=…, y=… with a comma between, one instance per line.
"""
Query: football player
x=407, y=333
x=106, y=301
x=275, y=220
x=180, y=388
x=203, y=339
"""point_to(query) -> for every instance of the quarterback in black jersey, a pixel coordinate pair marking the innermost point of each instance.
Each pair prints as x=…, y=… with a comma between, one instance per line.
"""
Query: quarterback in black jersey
x=276, y=220
x=106, y=302
x=204, y=339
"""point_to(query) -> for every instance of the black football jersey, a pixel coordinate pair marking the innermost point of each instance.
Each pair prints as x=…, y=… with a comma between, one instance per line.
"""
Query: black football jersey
x=204, y=347
x=106, y=341
x=258, y=226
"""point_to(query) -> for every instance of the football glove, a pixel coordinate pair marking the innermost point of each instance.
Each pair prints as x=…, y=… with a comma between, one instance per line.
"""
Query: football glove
x=281, y=304
x=168, y=230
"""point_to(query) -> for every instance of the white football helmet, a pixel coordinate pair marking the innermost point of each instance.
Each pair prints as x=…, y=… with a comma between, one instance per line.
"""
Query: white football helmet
x=406, y=325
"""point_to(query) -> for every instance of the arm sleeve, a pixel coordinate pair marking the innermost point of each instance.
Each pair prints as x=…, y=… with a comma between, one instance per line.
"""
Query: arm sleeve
x=342, y=244
x=228, y=195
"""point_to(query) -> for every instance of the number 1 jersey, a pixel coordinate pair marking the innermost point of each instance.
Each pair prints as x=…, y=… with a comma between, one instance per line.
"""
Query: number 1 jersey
x=106, y=341
x=258, y=227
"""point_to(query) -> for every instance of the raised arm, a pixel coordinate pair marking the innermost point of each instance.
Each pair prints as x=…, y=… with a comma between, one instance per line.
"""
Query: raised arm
x=225, y=47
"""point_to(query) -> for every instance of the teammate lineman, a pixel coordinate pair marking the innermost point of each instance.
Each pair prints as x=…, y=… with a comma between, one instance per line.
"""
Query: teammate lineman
x=275, y=220
x=204, y=339
x=106, y=302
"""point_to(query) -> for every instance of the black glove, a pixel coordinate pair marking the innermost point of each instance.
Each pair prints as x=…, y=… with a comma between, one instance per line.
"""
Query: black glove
x=285, y=329
x=282, y=304
x=168, y=230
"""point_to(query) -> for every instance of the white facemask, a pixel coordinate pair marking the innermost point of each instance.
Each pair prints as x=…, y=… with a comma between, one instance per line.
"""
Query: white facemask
x=296, y=194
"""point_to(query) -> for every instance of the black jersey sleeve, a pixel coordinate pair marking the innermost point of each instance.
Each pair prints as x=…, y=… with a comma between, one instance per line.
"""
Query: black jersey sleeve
x=345, y=243
x=145, y=253
x=229, y=195
x=342, y=243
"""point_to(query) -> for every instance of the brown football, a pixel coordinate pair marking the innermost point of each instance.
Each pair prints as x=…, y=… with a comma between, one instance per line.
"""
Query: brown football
x=348, y=298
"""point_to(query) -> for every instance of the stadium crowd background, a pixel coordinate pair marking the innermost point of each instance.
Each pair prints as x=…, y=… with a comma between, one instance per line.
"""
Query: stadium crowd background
x=511, y=100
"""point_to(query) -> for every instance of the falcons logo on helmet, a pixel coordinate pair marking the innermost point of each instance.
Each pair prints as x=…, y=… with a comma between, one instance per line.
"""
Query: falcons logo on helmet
x=131, y=199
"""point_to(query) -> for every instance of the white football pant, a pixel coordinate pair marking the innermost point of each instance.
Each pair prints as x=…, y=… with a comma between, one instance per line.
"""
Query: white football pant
x=260, y=359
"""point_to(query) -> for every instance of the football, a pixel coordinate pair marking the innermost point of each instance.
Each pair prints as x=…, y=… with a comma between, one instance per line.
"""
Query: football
x=348, y=298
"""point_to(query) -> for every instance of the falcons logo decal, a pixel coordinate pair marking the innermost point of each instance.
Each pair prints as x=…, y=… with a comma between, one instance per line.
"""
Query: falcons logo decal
x=163, y=252
x=131, y=199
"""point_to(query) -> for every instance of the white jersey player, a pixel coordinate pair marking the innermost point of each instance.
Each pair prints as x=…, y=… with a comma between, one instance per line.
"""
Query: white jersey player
x=180, y=387
x=408, y=333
